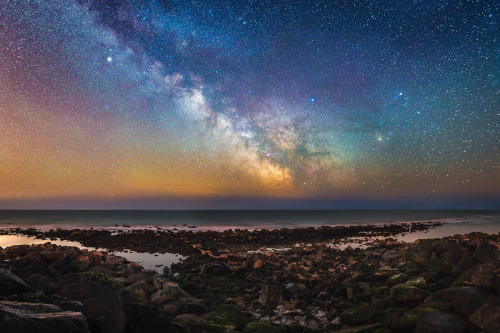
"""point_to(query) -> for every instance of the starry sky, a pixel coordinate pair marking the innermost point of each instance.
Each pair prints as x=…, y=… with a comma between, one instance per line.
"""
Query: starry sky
x=242, y=104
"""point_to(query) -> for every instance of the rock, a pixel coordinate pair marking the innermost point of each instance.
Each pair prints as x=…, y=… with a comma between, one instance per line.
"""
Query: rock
x=487, y=317
x=356, y=316
x=436, y=322
x=22, y=317
x=482, y=274
x=162, y=297
x=397, y=279
x=409, y=291
x=258, y=264
x=158, y=281
x=175, y=290
x=134, y=278
x=103, y=309
x=468, y=299
x=185, y=321
x=371, y=328
x=11, y=284
x=257, y=327
x=144, y=317
x=487, y=251
x=139, y=290
x=465, y=262
x=391, y=257
x=52, y=256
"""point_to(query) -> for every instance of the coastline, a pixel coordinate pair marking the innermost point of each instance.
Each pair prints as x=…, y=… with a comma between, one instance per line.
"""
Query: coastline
x=238, y=281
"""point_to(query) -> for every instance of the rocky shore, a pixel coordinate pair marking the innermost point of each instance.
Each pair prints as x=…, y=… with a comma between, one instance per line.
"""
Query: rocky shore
x=188, y=242
x=226, y=285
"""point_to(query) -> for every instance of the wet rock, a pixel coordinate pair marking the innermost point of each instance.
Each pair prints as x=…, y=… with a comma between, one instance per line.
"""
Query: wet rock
x=22, y=317
x=11, y=284
x=103, y=309
x=441, y=323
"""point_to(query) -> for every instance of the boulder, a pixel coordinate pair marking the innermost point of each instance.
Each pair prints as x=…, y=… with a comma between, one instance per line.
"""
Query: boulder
x=139, y=290
x=185, y=321
x=11, y=284
x=482, y=274
x=487, y=317
x=162, y=297
x=143, y=317
x=468, y=299
x=465, y=262
x=487, y=251
x=397, y=279
x=102, y=307
x=437, y=322
x=23, y=317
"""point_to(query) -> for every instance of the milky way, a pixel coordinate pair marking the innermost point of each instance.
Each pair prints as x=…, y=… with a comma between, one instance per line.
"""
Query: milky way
x=327, y=100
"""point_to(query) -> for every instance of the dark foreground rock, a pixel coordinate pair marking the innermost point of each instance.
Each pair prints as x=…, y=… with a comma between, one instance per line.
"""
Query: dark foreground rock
x=436, y=285
x=23, y=317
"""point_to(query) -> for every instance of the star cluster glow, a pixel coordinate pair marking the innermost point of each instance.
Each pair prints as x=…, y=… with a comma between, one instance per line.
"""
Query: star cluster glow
x=282, y=99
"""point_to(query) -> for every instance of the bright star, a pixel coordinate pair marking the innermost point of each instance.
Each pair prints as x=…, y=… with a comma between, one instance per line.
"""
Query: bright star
x=109, y=59
x=312, y=99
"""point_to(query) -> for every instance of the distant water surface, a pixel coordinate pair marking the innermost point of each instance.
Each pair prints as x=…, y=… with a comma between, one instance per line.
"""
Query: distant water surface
x=219, y=220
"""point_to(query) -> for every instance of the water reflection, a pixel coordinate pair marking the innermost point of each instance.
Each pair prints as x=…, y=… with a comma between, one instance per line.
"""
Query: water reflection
x=154, y=261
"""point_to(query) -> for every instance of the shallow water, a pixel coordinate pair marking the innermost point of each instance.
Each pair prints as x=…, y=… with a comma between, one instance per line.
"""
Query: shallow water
x=156, y=261
x=455, y=222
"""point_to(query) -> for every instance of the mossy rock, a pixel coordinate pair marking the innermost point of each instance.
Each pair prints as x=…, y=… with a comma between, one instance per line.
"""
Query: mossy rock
x=417, y=282
x=429, y=276
x=381, y=291
x=397, y=279
x=425, y=309
x=293, y=328
x=231, y=313
x=101, y=278
x=79, y=266
x=166, y=291
x=257, y=327
x=356, y=316
x=407, y=320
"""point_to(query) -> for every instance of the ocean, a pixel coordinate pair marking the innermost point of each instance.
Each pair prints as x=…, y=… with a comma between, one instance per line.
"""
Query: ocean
x=226, y=219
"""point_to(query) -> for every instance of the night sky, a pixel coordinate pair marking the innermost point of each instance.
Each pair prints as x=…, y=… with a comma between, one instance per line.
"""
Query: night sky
x=205, y=104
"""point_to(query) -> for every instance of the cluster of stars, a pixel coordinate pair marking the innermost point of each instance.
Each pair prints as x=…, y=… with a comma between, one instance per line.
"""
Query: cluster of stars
x=286, y=98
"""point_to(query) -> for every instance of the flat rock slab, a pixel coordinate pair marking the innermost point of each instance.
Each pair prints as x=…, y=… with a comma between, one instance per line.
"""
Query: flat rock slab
x=21, y=317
